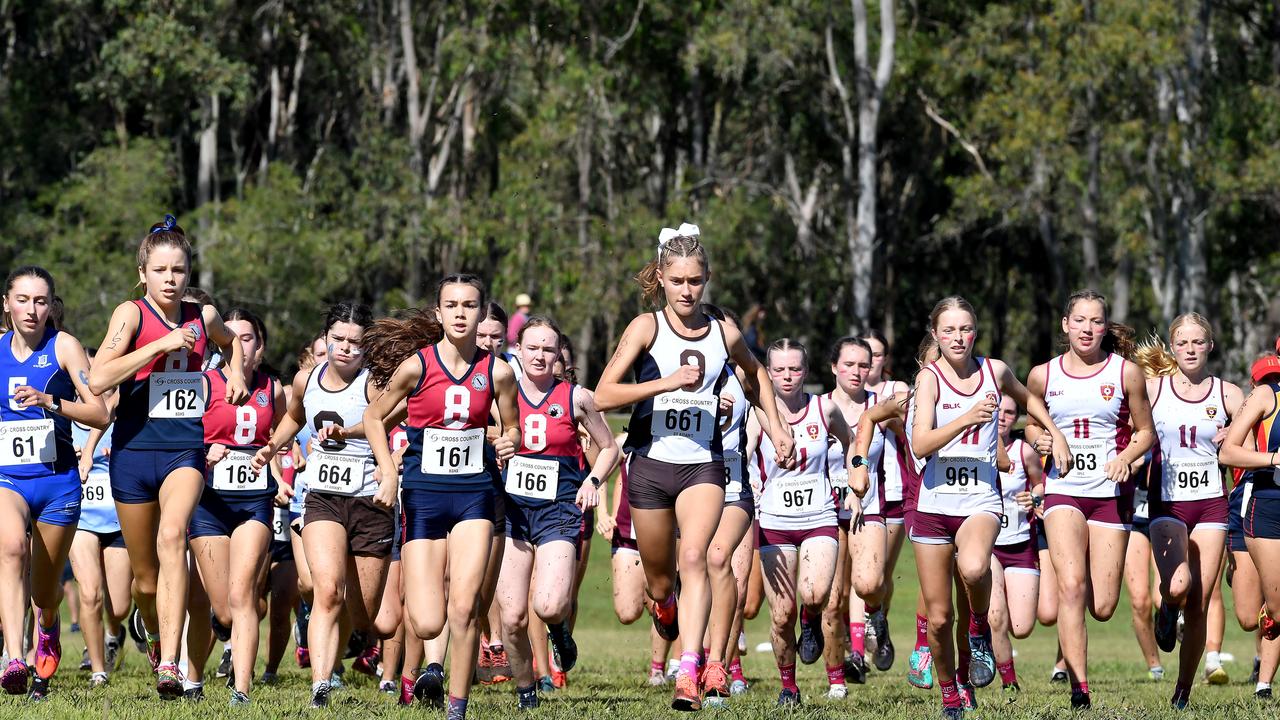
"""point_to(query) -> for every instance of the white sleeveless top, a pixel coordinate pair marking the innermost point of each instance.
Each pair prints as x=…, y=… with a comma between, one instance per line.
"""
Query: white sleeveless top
x=1093, y=413
x=892, y=470
x=680, y=427
x=1185, y=431
x=736, y=485
x=346, y=467
x=836, y=469
x=799, y=499
x=961, y=478
x=1015, y=526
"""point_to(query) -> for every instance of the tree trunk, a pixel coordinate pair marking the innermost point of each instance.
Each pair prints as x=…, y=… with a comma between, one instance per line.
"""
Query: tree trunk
x=206, y=189
x=870, y=91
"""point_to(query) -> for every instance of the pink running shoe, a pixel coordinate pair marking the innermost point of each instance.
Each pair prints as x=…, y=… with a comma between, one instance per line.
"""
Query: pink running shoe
x=14, y=679
x=48, y=649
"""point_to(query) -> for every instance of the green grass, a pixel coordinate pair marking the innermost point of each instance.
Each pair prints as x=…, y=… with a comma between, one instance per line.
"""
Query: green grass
x=609, y=682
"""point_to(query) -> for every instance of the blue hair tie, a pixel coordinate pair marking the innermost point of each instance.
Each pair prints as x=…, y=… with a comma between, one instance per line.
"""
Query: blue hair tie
x=170, y=222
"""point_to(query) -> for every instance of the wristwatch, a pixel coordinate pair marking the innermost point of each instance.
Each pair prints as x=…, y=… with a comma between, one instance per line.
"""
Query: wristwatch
x=858, y=461
x=55, y=405
x=594, y=481
x=1037, y=501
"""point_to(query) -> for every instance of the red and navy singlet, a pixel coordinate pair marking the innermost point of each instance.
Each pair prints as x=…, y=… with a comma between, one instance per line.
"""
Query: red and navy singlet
x=162, y=405
x=243, y=429
x=446, y=426
x=549, y=465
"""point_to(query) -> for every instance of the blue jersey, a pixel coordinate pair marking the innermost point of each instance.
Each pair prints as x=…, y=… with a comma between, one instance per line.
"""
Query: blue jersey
x=34, y=442
x=97, y=508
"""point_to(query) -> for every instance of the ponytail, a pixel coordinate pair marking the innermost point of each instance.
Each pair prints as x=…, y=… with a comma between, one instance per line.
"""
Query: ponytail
x=390, y=341
x=1120, y=340
x=1154, y=357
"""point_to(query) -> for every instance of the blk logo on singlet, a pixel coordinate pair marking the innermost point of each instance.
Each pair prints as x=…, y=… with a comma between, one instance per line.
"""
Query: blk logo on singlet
x=1108, y=391
x=950, y=406
x=1056, y=393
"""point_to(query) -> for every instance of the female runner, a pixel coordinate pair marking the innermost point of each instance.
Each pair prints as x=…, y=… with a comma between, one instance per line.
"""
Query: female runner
x=1015, y=567
x=45, y=372
x=547, y=496
x=957, y=517
x=864, y=545
x=676, y=470
x=798, y=526
x=1140, y=575
x=154, y=352
x=232, y=527
x=346, y=531
x=1099, y=398
x=1188, y=500
x=448, y=499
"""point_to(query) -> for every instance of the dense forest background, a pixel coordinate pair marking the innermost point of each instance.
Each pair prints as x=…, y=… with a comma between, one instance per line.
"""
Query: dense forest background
x=849, y=163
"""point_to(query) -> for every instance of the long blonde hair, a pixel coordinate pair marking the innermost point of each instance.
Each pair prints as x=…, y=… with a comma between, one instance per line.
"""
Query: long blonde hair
x=1154, y=355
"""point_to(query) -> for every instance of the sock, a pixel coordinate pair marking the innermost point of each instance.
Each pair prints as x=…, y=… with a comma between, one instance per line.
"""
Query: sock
x=1007, y=674
x=406, y=689
x=978, y=624
x=858, y=638
x=922, y=631
x=835, y=674
x=527, y=694
x=788, y=675
x=689, y=664
x=1262, y=686
x=735, y=670
x=950, y=695
x=1081, y=686
x=1213, y=659
x=654, y=666
x=457, y=708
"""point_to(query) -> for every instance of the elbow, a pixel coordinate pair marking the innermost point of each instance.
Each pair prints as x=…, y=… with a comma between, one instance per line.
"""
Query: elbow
x=605, y=402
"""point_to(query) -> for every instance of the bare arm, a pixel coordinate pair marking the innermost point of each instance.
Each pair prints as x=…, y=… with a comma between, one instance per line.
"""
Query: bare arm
x=1037, y=411
x=89, y=409
x=756, y=378
x=927, y=439
x=1144, y=435
x=112, y=364
x=504, y=389
x=229, y=344
x=1260, y=403
x=403, y=381
x=592, y=420
x=611, y=392
x=289, y=424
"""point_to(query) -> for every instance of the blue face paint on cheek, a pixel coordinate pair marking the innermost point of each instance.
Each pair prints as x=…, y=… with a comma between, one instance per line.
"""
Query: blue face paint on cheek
x=329, y=350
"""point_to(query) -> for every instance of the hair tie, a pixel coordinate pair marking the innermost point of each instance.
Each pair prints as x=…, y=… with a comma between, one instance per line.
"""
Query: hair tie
x=169, y=223
x=688, y=230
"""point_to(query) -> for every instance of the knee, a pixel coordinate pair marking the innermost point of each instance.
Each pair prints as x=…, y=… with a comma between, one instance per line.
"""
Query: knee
x=1103, y=611
x=551, y=609
x=462, y=608
x=628, y=614
x=870, y=586
x=783, y=613
x=719, y=561
x=326, y=596
x=973, y=572
x=941, y=615
x=692, y=560
x=171, y=539
x=514, y=622
x=1073, y=592
x=13, y=548
x=242, y=599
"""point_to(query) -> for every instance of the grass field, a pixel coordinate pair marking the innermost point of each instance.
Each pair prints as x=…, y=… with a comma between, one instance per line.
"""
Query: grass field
x=609, y=682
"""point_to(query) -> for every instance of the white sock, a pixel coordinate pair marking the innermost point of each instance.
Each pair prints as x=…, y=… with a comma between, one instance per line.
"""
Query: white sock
x=1262, y=686
x=227, y=646
x=188, y=685
x=1212, y=660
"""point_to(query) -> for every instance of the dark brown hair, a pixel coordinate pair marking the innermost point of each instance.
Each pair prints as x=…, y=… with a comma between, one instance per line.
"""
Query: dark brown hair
x=390, y=341
x=166, y=233
x=1119, y=338
x=782, y=344
x=845, y=342
x=56, y=309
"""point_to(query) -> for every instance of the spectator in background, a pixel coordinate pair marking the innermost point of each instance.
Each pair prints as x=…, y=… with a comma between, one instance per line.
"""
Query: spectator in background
x=524, y=305
x=753, y=330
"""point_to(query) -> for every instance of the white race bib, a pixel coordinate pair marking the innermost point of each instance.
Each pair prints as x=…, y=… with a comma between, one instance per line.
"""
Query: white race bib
x=1194, y=479
x=176, y=395
x=732, y=473
x=798, y=495
x=840, y=484
x=963, y=474
x=234, y=473
x=533, y=478
x=336, y=474
x=280, y=525
x=684, y=414
x=452, y=452
x=1140, y=505
x=27, y=442
x=95, y=494
x=1090, y=458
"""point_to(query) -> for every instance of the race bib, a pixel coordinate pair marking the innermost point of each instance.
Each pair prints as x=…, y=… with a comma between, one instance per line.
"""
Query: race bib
x=841, y=490
x=176, y=395
x=27, y=442
x=1193, y=479
x=1090, y=457
x=684, y=414
x=234, y=473
x=732, y=473
x=280, y=525
x=533, y=478
x=1140, y=504
x=452, y=452
x=95, y=494
x=799, y=495
x=964, y=474
x=336, y=474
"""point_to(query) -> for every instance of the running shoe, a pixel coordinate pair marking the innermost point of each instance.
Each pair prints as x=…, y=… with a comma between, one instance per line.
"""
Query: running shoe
x=194, y=694
x=484, y=664
x=855, y=669
x=1166, y=625
x=920, y=672
x=1216, y=676
x=1257, y=667
x=14, y=679
x=39, y=689
x=501, y=665
x=1080, y=700
x=673, y=667
x=269, y=677
x=968, y=696
x=686, y=697
x=138, y=630
x=303, y=656
x=115, y=654
x=1262, y=694
x=742, y=642
x=75, y=628
x=952, y=713
x=335, y=679
x=1155, y=674
x=982, y=661
x=883, y=655
x=789, y=697
x=98, y=679
x=546, y=685
x=238, y=699
x=153, y=653
x=1181, y=697
x=559, y=679
x=527, y=701
x=387, y=687
x=811, y=640
x=1059, y=675
x=563, y=645
x=738, y=687
x=224, y=664
x=715, y=684
x=48, y=649
x=367, y=662
x=838, y=692
x=657, y=678
x=168, y=682
x=666, y=620
x=429, y=687
x=85, y=664
x=320, y=695
x=220, y=631
x=1011, y=691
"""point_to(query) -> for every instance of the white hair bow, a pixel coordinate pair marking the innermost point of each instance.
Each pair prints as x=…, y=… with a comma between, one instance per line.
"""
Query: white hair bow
x=685, y=230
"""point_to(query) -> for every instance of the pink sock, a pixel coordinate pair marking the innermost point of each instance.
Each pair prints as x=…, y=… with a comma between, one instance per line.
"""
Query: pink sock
x=689, y=663
x=735, y=669
x=978, y=624
x=835, y=674
x=655, y=666
x=1082, y=686
x=788, y=675
x=858, y=638
x=922, y=631
x=1007, y=674
x=950, y=695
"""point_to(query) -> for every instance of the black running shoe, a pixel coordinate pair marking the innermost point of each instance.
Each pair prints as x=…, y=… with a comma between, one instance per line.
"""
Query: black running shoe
x=1166, y=628
x=789, y=698
x=1080, y=700
x=562, y=643
x=224, y=664
x=320, y=695
x=429, y=687
x=883, y=656
x=811, y=640
x=855, y=669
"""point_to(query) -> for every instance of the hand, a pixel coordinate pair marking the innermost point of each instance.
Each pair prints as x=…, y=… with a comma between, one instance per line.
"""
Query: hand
x=237, y=391
x=1219, y=437
x=217, y=452
x=686, y=378
x=84, y=466
x=856, y=518
x=26, y=396
x=726, y=405
x=981, y=413
x=1025, y=500
x=261, y=458
x=284, y=493
x=605, y=525
x=388, y=489
x=1043, y=444
x=785, y=448
x=859, y=483
x=588, y=496
x=183, y=338
x=330, y=435
x=1062, y=457
x=1117, y=470
x=504, y=448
